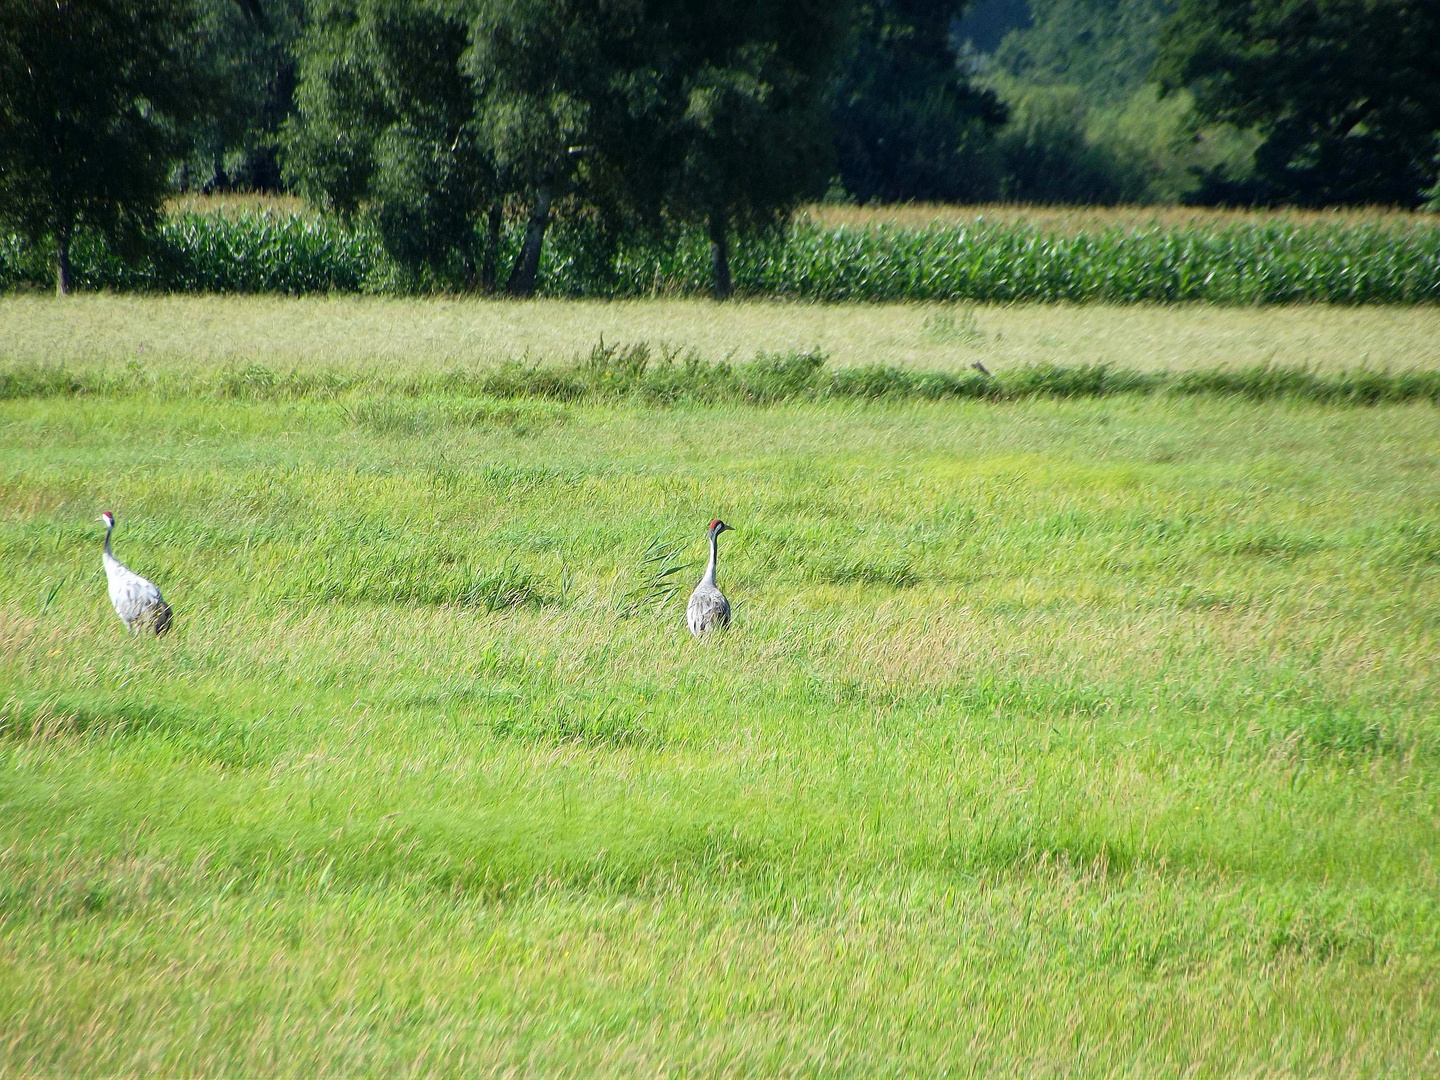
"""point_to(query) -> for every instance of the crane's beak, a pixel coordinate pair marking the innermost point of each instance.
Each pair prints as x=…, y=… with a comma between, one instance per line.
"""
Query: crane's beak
x=724, y=528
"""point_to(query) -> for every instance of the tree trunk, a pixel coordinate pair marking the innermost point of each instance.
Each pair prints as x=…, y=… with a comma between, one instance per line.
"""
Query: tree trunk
x=491, y=258
x=527, y=262
x=62, y=264
x=218, y=180
x=720, y=255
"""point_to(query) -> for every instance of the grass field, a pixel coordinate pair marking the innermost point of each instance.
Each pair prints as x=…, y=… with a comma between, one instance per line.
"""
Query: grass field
x=1089, y=737
x=181, y=333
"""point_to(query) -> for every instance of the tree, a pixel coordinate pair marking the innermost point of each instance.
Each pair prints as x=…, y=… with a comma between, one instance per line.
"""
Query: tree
x=386, y=125
x=247, y=47
x=94, y=95
x=424, y=115
x=747, y=137
x=428, y=117
x=1105, y=46
x=1345, y=94
x=908, y=124
x=569, y=104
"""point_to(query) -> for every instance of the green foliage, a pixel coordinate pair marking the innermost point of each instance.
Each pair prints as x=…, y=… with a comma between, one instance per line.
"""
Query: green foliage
x=577, y=105
x=1087, y=127
x=387, y=120
x=1048, y=156
x=650, y=583
x=636, y=373
x=1084, y=125
x=750, y=141
x=246, y=47
x=94, y=95
x=908, y=124
x=1105, y=46
x=552, y=76
x=1262, y=263
x=204, y=253
x=430, y=117
x=1345, y=93
x=753, y=136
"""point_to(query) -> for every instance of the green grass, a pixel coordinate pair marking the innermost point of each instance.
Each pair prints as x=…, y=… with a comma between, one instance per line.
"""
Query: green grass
x=662, y=377
x=1084, y=736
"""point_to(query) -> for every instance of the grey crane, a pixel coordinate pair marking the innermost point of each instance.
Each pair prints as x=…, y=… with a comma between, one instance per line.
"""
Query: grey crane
x=137, y=601
x=708, y=609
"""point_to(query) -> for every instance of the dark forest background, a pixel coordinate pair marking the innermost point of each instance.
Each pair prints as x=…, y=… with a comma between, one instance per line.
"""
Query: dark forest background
x=1045, y=101
x=1041, y=101
x=443, y=123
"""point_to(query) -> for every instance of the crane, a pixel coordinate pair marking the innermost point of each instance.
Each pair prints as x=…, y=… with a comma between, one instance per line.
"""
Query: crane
x=708, y=609
x=137, y=601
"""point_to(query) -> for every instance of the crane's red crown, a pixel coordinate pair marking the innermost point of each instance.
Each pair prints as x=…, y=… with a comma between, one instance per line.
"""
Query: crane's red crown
x=714, y=523
x=107, y=515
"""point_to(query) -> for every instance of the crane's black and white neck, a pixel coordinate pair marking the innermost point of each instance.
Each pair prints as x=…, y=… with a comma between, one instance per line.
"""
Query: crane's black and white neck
x=137, y=601
x=708, y=609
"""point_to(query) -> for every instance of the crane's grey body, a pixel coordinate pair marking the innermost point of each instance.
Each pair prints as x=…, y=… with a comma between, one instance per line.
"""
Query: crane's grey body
x=708, y=609
x=137, y=601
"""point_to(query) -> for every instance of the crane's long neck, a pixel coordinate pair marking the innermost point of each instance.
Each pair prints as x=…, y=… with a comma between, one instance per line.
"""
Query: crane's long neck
x=108, y=530
x=709, y=578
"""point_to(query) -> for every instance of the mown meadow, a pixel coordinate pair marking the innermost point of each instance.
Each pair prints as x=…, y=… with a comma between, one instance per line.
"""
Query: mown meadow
x=1087, y=729
x=409, y=339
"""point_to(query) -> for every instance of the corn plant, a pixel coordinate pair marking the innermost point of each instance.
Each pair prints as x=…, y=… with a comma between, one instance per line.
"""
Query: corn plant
x=1270, y=261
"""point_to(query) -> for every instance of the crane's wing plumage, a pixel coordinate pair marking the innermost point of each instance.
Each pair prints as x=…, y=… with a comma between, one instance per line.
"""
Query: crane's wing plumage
x=708, y=610
x=138, y=602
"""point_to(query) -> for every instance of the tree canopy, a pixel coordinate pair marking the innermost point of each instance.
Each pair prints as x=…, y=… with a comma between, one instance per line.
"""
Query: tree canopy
x=1106, y=46
x=908, y=124
x=1345, y=93
x=436, y=121
x=95, y=97
x=747, y=136
x=429, y=116
x=386, y=121
x=248, y=48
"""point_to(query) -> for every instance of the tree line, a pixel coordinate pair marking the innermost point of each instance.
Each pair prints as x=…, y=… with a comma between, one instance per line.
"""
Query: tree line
x=437, y=121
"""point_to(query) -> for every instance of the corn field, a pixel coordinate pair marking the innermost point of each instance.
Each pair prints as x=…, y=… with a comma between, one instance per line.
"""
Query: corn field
x=1265, y=261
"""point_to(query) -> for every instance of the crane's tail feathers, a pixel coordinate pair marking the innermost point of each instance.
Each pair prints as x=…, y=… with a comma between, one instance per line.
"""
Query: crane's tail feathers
x=157, y=620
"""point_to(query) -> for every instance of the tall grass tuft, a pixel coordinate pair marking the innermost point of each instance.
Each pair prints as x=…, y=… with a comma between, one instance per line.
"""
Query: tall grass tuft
x=651, y=582
x=528, y=393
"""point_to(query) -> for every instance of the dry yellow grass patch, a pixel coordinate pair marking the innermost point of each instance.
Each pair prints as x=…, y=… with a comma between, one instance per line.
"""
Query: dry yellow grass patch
x=1053, y=219
x=187, y=333
x=233, y=203
x=1070, y=220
